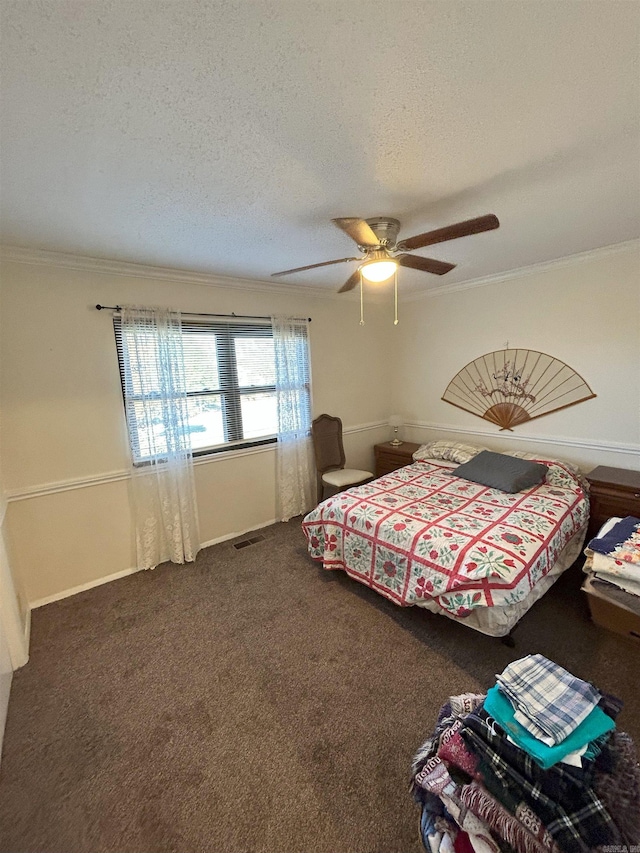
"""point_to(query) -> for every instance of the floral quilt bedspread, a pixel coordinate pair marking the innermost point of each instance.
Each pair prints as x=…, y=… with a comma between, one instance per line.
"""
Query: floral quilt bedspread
x=421, y=533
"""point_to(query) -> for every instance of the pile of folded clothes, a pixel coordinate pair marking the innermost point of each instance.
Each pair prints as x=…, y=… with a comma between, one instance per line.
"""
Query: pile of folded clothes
x=613, y=563
x=534, y=766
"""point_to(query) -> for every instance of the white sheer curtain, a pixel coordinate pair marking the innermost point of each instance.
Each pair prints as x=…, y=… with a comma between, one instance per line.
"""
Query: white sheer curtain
x=163, y=491
x=295, y=467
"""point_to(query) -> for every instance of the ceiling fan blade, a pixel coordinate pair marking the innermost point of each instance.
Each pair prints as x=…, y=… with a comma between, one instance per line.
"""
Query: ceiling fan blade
x=351, y=282
x=313, y=266
x=358, y=230
x=451, y=232
x=424, y=264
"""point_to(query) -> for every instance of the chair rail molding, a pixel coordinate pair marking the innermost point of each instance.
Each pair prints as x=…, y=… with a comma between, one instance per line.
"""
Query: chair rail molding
x=583, y=443
x=43, y=489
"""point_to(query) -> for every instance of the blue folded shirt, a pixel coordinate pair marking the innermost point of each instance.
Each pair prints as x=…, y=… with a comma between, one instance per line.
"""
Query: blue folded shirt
x=594, y=726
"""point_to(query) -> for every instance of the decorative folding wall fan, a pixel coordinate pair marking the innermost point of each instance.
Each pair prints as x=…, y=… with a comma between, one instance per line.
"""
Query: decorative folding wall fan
x=511, y=386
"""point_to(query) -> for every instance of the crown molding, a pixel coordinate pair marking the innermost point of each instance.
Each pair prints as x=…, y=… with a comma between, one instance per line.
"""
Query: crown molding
x=525, y=272
x=584, y=444
x=105, y=266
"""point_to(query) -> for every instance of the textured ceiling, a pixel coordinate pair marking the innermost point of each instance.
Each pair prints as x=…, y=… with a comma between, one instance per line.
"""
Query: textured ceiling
x=223, y=136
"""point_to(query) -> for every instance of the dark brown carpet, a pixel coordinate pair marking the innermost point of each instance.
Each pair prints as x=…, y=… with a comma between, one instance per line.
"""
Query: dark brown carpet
x=252, y=702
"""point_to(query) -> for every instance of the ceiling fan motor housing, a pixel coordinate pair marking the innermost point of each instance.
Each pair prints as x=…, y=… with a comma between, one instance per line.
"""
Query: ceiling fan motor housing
x=385, y=228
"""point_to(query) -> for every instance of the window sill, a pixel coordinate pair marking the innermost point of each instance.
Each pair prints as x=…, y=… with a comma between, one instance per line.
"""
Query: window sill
x=242, y=448
x=234, y=452
x=230, y=448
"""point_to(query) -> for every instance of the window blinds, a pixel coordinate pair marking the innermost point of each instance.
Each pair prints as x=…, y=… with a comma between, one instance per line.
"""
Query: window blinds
x=229, y=371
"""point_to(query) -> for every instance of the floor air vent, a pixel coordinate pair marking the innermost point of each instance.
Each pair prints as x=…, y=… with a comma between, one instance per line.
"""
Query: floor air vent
x=246, y=542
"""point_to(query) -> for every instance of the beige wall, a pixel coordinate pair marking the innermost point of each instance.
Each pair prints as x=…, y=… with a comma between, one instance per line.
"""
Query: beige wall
x=584, y=311
x=64, y=440
x=64, y=444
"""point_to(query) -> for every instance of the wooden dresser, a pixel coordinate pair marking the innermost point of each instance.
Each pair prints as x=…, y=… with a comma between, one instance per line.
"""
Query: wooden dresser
x=390, y=458
x=614, y=492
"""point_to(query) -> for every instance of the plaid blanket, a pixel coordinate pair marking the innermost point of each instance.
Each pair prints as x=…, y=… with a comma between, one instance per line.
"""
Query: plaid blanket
x=549, y=701
x=569, y=809
x=619, y=788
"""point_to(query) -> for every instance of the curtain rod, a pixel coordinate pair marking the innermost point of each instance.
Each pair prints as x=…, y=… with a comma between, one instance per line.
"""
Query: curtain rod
x=192, y=314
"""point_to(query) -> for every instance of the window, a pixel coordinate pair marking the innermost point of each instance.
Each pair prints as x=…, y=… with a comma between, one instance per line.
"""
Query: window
x=230, y=378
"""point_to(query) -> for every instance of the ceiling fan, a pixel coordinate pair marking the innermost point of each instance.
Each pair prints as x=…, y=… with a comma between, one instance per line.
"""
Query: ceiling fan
x=377, y=239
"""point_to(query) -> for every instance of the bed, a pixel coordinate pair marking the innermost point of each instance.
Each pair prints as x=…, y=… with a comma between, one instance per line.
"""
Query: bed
x=422, y=536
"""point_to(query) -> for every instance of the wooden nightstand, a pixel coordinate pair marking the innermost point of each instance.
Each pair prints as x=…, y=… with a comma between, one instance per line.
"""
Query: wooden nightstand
x=614, y=491
x=390, y=458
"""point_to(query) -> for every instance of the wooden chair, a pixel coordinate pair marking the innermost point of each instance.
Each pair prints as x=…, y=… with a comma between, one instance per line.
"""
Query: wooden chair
x=326, y=432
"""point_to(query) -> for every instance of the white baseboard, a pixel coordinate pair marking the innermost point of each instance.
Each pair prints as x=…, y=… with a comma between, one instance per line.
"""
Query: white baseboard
x=58, y=596
x=67, y=593
x=228, y=536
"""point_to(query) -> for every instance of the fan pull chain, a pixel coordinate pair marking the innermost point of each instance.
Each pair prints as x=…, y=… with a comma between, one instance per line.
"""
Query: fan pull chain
x=395, y=286
x=361, y=302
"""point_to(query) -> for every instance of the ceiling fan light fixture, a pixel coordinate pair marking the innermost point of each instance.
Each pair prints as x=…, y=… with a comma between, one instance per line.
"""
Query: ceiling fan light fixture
x=379, y=270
